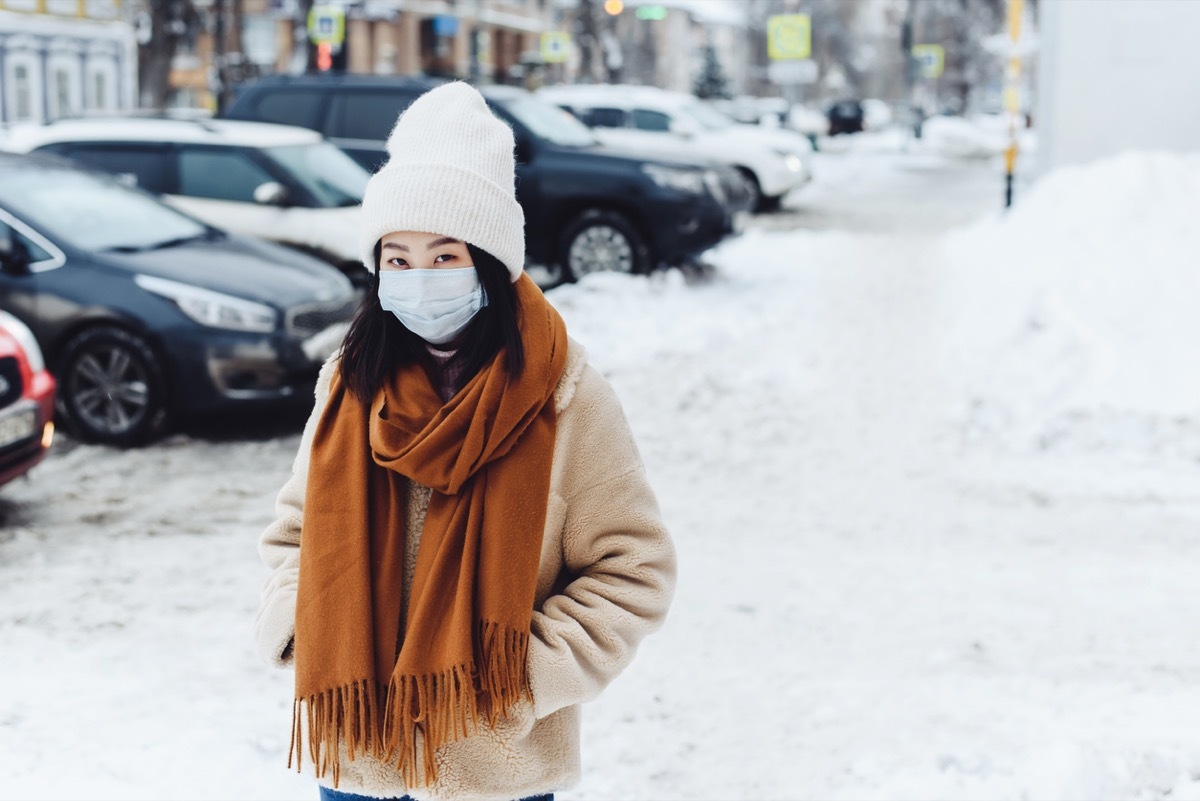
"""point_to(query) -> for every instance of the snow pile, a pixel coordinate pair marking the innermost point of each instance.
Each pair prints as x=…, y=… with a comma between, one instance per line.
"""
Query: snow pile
x=1076, y=312
x=962, y=138
x=976, y=137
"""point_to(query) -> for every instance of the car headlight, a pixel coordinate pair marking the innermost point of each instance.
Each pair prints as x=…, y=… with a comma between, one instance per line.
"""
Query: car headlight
x=28, y=341
x=214, y=309
x=790, y=160
x=681, y=179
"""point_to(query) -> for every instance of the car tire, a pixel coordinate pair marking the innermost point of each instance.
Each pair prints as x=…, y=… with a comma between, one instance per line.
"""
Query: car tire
x=755, y=203
x=111, y=387
x=599, y=240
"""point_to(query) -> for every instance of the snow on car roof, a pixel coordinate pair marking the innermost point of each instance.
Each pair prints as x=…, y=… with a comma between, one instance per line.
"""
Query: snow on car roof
x=621, y=94
x=28, y=136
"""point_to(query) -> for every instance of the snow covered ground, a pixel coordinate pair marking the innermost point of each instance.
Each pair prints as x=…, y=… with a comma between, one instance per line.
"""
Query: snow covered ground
x=933, y=486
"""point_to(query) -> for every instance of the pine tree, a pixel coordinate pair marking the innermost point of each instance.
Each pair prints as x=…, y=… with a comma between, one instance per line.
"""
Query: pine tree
x=712, y=82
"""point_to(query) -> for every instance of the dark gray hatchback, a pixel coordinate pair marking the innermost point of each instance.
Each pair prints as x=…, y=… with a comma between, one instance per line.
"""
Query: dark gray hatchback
x=148, y=316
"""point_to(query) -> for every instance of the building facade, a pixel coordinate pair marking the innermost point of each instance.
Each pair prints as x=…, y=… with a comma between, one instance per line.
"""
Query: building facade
x=62, y=58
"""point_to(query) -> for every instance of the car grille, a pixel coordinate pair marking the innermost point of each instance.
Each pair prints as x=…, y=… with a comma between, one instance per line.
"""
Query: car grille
x=11, y=385
x=304, y=321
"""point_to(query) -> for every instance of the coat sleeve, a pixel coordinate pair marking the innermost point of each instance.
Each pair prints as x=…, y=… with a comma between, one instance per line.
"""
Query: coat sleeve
x=279, y=545
x=616, y=551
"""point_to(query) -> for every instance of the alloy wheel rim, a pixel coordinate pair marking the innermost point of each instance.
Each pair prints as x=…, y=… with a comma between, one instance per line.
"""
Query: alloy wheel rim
x=601, y=248
x=110, y=389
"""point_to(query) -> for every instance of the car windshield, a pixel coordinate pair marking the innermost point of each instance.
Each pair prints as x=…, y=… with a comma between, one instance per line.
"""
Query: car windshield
x=94, y=212
x=549, y=121
x=707, y=116
x=325, y=170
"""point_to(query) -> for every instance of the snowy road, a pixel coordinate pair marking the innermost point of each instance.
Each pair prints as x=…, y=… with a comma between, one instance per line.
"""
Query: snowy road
x=885, y=590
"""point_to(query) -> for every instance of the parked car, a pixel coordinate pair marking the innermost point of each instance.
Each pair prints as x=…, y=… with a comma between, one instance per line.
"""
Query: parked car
x=587, y=207
x=147, y=315
x=846, y=116
x=26, y=400
x=774, y=161
x=281, y=183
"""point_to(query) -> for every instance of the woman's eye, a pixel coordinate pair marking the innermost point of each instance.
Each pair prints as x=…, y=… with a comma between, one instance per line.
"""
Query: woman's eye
x=443, y=257
x=398, y=262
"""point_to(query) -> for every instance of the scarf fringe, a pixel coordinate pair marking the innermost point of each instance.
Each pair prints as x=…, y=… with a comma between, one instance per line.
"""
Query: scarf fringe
x=443, y=707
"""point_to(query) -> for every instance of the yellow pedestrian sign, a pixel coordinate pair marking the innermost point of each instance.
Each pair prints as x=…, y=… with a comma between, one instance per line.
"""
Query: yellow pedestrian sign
x=932, y=59
x=327, y=25
x=556, y=45
x=789, y=36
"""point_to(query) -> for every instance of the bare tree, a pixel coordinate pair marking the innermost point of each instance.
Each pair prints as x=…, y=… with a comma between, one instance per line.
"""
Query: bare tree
x=171, y=22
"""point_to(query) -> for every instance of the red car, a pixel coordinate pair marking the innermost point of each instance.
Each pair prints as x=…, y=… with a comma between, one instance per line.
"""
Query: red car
x=26, y=400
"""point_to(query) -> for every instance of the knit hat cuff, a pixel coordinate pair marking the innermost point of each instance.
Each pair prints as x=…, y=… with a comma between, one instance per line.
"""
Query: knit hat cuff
x=448, y=200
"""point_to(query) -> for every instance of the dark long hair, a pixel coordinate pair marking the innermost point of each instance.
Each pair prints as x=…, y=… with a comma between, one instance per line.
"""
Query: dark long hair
x=377, y=343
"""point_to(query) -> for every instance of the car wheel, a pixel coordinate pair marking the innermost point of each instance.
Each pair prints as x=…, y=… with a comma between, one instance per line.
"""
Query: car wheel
x=111, y=388
x=755, y=200
x=602, y=241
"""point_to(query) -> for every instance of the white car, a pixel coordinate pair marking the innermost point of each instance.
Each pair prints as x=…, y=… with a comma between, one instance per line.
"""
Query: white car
x=277, y=182
x=774, y=161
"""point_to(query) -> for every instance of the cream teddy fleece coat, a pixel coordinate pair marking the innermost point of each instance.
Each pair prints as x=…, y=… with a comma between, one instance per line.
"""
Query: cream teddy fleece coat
x=605, y=580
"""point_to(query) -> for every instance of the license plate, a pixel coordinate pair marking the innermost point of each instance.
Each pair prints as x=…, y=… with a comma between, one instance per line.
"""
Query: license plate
x=16, y=427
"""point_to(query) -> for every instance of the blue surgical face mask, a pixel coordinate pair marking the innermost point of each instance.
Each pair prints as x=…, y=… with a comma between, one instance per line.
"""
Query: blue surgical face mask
x=436, y=305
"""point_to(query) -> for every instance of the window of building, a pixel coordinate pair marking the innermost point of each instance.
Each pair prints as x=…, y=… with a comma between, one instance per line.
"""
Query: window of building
x=220, y=173
x=22, y=93
x=60, y=93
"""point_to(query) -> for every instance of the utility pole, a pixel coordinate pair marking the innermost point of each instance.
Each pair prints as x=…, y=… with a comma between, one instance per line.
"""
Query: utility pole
x=1012, y=105
x=907, y=40
x=218, y=78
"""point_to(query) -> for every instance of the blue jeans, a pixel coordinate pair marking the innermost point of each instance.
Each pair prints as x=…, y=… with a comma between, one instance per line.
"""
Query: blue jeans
x=338, y=795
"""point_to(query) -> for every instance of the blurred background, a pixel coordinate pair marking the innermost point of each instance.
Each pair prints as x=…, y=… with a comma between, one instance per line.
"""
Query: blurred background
x=898, y=296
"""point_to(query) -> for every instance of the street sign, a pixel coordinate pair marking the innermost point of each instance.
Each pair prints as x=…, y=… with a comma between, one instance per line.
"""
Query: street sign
x=445, y=25
x=789, y=36
x=653, y=13
x=785, y=72
x=932, y=59
x=556, y=46
x=327, y=25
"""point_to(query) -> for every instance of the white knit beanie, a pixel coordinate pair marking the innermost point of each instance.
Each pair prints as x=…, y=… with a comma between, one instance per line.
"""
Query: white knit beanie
x=450, y=171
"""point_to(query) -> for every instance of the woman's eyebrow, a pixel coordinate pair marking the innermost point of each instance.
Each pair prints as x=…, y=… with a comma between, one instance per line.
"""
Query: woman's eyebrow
x=445, y=240
x=395, y=245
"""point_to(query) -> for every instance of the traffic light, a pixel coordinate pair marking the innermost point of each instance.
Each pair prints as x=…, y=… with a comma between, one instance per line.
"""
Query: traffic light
x=324, y=57
x=613, y=7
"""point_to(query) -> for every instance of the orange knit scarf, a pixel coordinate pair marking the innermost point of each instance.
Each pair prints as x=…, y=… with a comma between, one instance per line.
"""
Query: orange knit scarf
x=486, y=454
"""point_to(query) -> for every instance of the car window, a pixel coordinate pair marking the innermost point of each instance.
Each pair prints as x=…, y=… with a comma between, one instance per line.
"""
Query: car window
x=92, y=211
x=603, y=117
x=646, y=120
x=14, y=241
x=323, y=169
x=289, y=107
x=220, y=173
x=548, y=120
x=147, y=165
x=366, y=115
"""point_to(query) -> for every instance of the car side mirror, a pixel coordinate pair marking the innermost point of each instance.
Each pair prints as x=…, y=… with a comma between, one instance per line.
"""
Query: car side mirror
x=272, y=193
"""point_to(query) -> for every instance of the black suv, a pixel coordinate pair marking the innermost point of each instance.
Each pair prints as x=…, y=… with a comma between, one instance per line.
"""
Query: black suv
x=587, y=207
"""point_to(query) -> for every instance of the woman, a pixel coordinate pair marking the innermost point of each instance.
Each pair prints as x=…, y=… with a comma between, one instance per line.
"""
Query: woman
x=467, y=548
